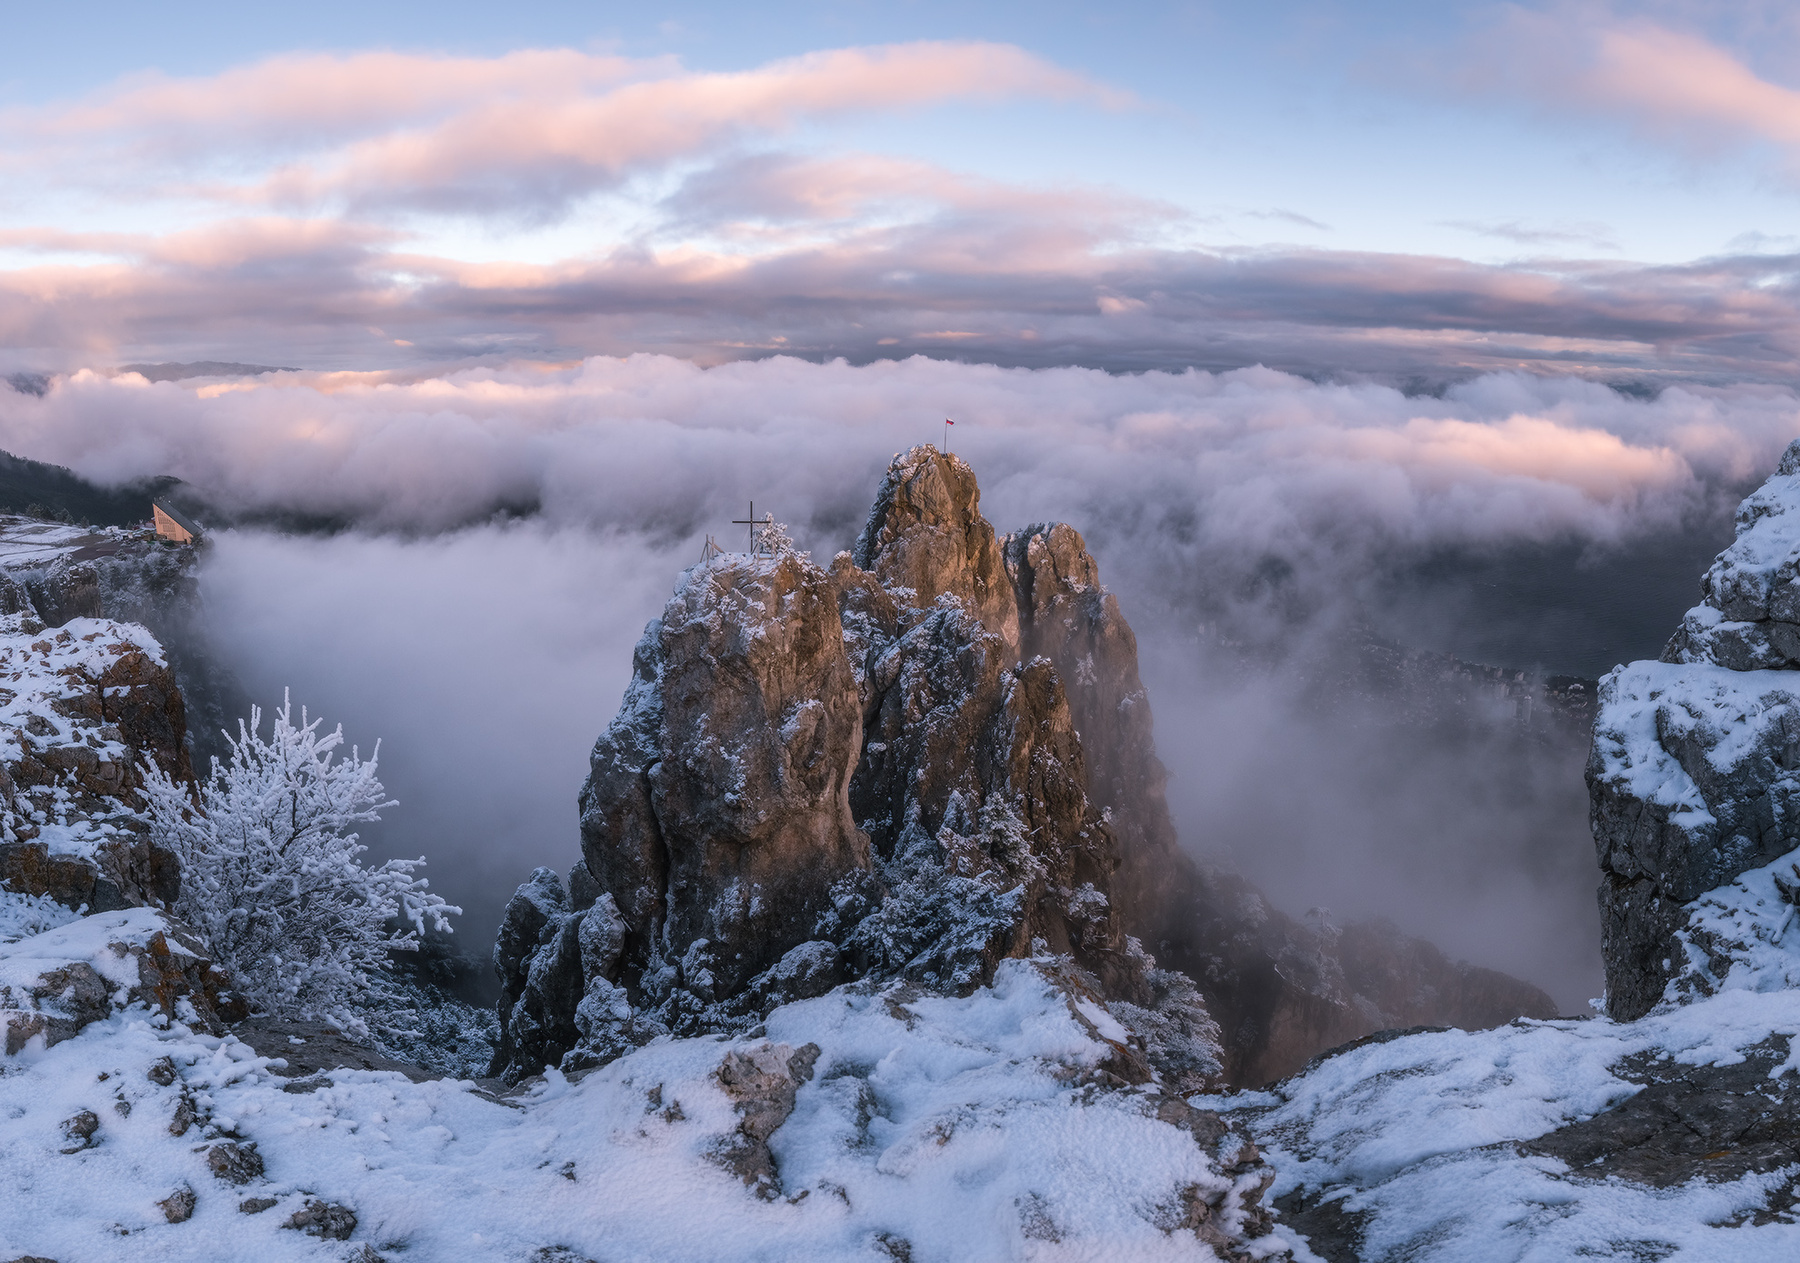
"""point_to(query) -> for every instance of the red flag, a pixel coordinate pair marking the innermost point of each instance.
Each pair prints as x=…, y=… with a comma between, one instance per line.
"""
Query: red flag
x=948, y=421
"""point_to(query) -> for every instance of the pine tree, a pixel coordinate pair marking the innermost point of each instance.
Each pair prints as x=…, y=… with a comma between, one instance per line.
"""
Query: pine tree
x=271, y=874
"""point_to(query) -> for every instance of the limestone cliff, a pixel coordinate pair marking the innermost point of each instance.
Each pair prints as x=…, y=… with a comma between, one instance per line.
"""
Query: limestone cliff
x=52, y=572
x=717, y=814
x=1694, y=776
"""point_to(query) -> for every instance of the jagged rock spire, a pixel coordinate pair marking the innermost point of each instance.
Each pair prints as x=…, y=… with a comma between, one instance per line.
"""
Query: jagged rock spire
x=936, y=755
x=925, y=537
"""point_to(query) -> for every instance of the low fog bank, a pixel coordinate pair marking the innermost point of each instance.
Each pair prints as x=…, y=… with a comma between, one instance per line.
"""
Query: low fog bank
x=1252, y=524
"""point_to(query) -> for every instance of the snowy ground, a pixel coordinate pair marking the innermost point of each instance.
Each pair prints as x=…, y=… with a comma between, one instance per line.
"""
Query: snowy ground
x=28, y=542
x=1416, y=1135
x=931, y=1129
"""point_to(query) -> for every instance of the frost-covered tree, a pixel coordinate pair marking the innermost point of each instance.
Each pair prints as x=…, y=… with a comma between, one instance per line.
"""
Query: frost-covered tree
x=271, y=874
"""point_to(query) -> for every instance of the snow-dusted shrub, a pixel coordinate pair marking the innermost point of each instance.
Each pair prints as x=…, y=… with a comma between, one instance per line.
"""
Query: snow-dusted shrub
x=772, y=537
x=270, y=873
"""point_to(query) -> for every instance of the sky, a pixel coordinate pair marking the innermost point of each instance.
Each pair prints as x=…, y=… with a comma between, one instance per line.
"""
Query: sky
x=1468, y=324
x=1404, y=191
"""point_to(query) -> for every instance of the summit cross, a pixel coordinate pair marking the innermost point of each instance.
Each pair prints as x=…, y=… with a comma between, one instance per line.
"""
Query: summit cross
x=752, y=522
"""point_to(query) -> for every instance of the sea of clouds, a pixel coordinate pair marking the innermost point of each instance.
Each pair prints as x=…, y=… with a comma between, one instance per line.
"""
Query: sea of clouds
x=483, y=547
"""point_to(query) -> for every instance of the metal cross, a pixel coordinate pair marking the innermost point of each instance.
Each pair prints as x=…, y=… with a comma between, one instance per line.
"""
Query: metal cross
x=752, y=523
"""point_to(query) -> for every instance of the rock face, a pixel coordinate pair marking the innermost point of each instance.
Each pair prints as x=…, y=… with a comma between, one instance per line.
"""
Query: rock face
x=932, y=757
x=1694, y=775
x=1067, y=616
x=717, y=814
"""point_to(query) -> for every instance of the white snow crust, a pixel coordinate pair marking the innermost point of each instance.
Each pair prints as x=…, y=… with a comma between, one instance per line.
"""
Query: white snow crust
x=1647, y=706
x=1413, y=1132
x=99, y=940
x=956, y=1124
x=26, y=543
x=22, y=916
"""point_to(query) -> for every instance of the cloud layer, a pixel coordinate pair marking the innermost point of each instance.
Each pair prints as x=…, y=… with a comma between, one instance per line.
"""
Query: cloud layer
x=1251, y=506
x=659, y=445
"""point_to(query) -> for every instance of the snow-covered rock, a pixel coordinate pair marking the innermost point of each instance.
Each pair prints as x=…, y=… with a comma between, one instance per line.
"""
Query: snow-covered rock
x=1672, y=1136
x=81, y=708
x=1749, y=615
x=1693, y=772
x=55, y=983
x=52, y=572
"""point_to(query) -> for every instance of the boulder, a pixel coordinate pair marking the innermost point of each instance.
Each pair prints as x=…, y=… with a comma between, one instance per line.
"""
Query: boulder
x=762, y=1082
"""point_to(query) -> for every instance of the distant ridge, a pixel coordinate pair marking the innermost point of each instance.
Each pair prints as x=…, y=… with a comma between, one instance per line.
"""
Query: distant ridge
x=172, y=372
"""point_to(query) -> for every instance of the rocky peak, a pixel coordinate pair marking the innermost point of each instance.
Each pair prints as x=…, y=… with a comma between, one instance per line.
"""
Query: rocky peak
x=932, y=757
x=925, y=537
x=822, y=775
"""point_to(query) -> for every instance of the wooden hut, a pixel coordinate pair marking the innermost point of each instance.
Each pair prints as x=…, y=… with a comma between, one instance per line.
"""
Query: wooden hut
x=173, y=524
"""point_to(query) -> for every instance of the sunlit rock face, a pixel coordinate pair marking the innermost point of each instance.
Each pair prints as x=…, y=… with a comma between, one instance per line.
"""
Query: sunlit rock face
x=717, y=813
x=933, y=756
x=926, y=538
x=824, y=775
x=1695, y=770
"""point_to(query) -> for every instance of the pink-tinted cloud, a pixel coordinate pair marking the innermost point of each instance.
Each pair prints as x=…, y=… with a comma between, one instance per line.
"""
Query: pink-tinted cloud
x=521, y=134
x=1018, y=277
x=1672, y=84
x=738, y=250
